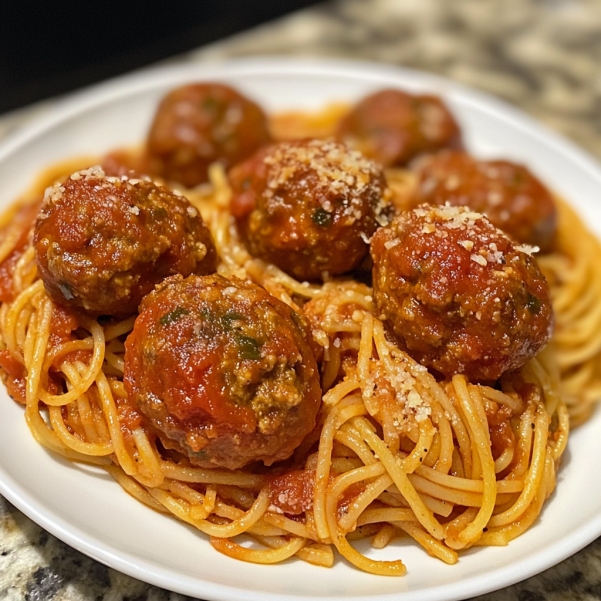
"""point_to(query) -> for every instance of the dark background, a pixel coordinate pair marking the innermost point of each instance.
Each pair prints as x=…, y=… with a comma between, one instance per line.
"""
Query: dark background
x=49, y=47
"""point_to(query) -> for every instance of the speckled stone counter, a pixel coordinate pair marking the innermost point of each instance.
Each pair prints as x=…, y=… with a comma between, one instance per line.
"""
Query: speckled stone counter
x=543, y=56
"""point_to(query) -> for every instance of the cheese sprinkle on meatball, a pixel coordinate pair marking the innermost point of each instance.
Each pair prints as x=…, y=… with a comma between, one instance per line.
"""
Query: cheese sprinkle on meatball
x=510, y=196
x=459, y=294
x=103, y=243
x=309, y=206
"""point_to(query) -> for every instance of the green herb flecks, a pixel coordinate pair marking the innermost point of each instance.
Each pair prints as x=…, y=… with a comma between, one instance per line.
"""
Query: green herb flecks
x=208, y=315
x=173, y=316
x=202, y=454
x=297, y=319
x=533, y=304
x=160, y=213
x=322, y=218
x=229, y=318
x=249, y=348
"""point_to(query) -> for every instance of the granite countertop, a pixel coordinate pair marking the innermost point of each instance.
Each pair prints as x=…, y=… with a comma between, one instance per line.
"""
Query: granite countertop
x=541, y=55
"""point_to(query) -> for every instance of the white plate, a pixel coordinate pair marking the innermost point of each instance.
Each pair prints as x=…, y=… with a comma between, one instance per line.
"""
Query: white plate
x=88, y=510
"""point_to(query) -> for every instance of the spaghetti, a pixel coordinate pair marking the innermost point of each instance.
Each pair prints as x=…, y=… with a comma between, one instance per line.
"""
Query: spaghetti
x=450, y=464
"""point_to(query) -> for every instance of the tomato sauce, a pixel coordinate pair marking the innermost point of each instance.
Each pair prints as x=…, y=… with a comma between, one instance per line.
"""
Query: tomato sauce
x=293, y=492
x=24, y=219
x=14, y=376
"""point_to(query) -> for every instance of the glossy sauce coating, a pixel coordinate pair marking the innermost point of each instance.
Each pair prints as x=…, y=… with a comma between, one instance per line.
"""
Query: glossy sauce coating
x=393, y=127
x=459, y=294
x=292, y=493
x=222, y=371
x=102, y=242
x=512, y=198
x=14, y=374
x=198, y=124
x=21, y=227
x=309, y=206
x=120, y=162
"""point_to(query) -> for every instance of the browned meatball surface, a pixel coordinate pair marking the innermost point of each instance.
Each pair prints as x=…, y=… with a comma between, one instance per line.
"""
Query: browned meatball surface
x=459, y=294
x=125, y=162
x=392, y=126
x=222, y=371
x=309, y=206
x=103, y=242
x=198, y=124
x=507, y=193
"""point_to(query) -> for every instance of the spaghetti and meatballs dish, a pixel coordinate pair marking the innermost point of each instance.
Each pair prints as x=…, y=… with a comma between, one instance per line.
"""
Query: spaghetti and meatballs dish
x=296, y=331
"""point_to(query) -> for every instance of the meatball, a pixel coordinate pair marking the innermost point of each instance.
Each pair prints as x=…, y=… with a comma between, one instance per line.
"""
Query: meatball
x=392, y=126
x=459, y=294
x=124, y=162
x=201, y=123
x=222, y=371
x=508, y=194
x=103, y=242
x=309, y=206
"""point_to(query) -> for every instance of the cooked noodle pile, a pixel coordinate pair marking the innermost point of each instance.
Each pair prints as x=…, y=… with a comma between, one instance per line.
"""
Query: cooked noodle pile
x=451, y=464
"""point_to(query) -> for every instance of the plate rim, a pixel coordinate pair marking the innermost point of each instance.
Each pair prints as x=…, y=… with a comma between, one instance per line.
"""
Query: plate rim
x=151, y=78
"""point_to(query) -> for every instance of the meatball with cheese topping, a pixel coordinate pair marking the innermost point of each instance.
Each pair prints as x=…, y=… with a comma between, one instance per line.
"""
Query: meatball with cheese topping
x=222, y=371
x=459, y=294
x=103, y=243
x=393, y=127
x=309, y=206
x=199, y=124
x=507, y=193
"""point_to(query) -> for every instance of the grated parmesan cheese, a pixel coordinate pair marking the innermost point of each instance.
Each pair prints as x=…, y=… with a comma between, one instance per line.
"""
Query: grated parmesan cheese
x=479, y=259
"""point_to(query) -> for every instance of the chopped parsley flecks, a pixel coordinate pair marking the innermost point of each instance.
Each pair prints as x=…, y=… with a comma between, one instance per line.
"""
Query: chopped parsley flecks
x=159, y=213
x=249, y=348
x=533, y=304
x=322, y=218
x=173, y=316
x=297, y=319
x=228, y=318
